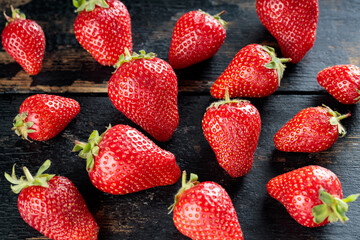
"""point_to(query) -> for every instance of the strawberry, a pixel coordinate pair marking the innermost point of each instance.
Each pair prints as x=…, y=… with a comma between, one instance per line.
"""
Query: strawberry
x=312, y=195
x=292, y=22
x=103, y=28
x=197, y=36
x=144, y=88
x=24, y=40
x=44, y=116
x=122, y=160
x=53, y=205
x=255, y=71
x=232, y=127
x=342, y=82
x=205, y=211
x=313, y=129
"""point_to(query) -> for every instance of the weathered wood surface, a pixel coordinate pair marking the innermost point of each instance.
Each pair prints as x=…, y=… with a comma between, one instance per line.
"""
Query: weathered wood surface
x=70, y=71
x=67, y=67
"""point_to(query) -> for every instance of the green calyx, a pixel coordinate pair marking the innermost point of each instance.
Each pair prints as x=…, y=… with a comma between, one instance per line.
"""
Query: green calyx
x=15, y=15
x=336, y=118
x=21, y=127
x=90, y=149
x=332, y=208
x=275, y=63
x=193, y=181
x=225, y=101
x=28, y=180
x=89, y=5
x=217, y=17
x=127, y=57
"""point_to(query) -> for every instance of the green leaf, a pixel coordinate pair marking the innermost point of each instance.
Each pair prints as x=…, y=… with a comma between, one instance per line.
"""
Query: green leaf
x=351, y=198
x=43, y=168
x=320, y=213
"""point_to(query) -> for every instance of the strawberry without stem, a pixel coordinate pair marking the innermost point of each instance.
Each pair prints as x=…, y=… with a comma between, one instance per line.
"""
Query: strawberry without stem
x=122, y=160
x=342, y=82
x=232, y=127
x=205, y=211
x=313, y=129
x=103, y=28
x=197, y=36
x=24, y=41
x=312, y=195
x=292, y=22
x=53, y=205
x=144, y=88
x=43, y=116
x=255, y=71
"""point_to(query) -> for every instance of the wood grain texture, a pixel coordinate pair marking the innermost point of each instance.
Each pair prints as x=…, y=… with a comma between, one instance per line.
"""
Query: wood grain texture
x=143, y=215
x=67, y=67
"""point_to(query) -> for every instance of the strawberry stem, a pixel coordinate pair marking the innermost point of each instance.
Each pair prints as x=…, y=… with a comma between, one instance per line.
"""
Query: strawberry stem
x=15, y=15
x=89, y=5
x=217, y=17
x=21, y=127
x=336, y=118
x=275, y=63
x=184, y=186
x=333, y=208
x=226, y=100
x=40, y=179
x=127, y=57
x=90, y=149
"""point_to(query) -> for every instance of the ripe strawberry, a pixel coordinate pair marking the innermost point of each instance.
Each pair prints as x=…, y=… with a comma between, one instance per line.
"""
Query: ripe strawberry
x=103, y=28
x=255, y=71
x=205, y=211
x=232, y=128
x=342, y=82
x=313, y=129
x=122, y=160
x=292, y=22
x=53, y=205
x=44, y=116
x=312, y=195
x=24, y=41
x=197, y=36
x=144, y=88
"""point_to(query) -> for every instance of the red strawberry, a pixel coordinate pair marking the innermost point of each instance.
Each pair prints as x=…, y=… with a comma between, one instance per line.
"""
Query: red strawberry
x=43, y=116
x=205, y=211
x=342, y=82
x=122, y=160
x=197, y=36
x=255, y=71
x=292, y=22
x=24, y=41
x=232, y=128
x=53, y=205
x=103, y=28
x=313, y=129
x=144, y=88
x=312, y=195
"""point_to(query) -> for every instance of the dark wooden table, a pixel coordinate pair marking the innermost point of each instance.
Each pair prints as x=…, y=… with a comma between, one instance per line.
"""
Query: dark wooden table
x=70, y=71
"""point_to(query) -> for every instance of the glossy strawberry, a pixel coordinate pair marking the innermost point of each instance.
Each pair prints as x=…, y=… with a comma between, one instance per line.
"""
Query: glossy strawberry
x=103, y=28
x=122, y=160
x=44, y=116
x=24, y=40
x=292, y=22
x=53, y=205
x=144, y=88
x=197, y=36
x=312, y=195
x=205, y=211
x=342, y=82
x=313, y=129
x=232, y=127
x=255, y=71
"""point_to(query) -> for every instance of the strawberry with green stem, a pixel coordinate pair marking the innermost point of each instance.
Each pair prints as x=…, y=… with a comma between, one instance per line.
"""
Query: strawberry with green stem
x=53, y=205
x=24, y=40
x=312, y=195
x=122, y=160
x=103, y=28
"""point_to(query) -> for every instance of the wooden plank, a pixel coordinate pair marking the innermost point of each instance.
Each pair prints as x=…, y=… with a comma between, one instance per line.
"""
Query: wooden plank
x=143, y=215
x=69, y=68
